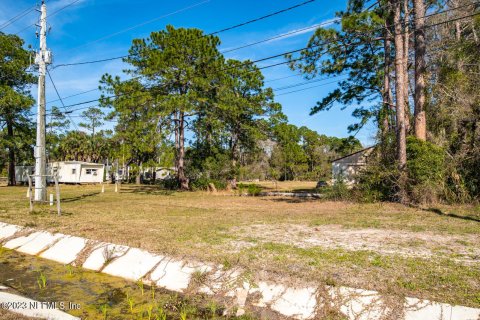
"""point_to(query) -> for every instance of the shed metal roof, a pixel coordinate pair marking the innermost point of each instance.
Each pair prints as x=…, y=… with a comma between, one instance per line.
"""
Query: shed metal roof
x=352, y=154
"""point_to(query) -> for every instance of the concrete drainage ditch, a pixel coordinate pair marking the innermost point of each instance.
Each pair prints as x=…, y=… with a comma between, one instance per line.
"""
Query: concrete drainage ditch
x=236, y=295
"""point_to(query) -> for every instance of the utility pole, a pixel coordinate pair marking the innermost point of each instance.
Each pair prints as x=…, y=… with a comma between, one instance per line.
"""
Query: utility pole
x=42, y=58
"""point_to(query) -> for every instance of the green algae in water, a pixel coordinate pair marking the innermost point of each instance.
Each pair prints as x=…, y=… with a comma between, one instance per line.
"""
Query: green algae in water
x=92, y=295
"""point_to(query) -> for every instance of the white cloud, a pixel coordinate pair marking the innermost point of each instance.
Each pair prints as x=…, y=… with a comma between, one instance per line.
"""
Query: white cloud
x=255, y=49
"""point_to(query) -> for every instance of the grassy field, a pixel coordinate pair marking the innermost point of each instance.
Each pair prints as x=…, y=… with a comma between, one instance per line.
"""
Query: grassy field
x=431, y=253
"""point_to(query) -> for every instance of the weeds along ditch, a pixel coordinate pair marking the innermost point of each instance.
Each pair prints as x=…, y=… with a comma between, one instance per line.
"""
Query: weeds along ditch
x=93, y=295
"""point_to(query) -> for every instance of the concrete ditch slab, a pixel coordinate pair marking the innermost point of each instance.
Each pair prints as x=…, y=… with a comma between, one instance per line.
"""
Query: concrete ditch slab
x=66, y=250
x=19, y=241
x=103, y=254
x=8, y=230
x=31, y=308
x=291, y=302
x=134, y=265
x=39, y=242
x=416, y=309
x=297, y=303
x=460, y=312
x=175, y=275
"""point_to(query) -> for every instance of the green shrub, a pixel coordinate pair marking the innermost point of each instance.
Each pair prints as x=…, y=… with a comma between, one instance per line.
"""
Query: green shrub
x=202, y=183
x=425, y=161
x=251, y=189
x=377, y=182
x=169, y=183
x=426, y=171
x=338, y=191
x=241, y=188
x=254, y=190
x=219, y=184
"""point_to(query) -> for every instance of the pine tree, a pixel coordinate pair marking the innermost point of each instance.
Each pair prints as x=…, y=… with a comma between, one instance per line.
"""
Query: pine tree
x=15, y=100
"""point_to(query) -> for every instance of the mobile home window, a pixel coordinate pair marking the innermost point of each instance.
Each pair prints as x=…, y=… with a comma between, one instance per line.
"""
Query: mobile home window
x=91, y=171
x=74, y=171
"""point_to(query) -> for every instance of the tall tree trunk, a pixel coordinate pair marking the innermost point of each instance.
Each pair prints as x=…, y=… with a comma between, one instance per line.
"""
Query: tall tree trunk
x=420, y=70
x=406, y=48
x=234, y=150
x=177, y=145
x=138, y=177
x=11, y=154
x=400, y=101
x=458, y=30
x=387, y=92
x=182, y=179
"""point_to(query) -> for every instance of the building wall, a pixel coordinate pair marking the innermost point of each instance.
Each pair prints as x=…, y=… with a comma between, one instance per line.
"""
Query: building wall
x=68, y=172
x=348, y=167
x=91, y=173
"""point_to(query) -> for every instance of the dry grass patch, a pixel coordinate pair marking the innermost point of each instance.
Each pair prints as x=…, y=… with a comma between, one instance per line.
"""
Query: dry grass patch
x=287, y=186
x=463, y=248
x=219, y=228
x=9, y=315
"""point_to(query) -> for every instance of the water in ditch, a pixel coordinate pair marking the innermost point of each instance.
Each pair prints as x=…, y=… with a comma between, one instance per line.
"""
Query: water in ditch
x=92, y=295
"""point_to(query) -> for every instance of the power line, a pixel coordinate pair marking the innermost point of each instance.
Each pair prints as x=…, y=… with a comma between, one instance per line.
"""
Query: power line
x=225, y=69
x=96, y=89
x=281, y=35
x=262, y=18
x=265, y=40
x=17, y=17
x=289, y=52
x=320, y=85
x=212, y=33
x=281, y=78
x=61, y=100
x=73, y=95
x=142, y=24
x=281, y=94
x=88, y=62
x=305, y=83
x=63, y=8
x=50, y=15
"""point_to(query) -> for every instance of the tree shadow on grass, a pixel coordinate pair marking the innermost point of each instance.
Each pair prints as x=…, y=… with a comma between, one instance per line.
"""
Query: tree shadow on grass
x=452, y=215
x=150, y=190
x=305, y=190
x=43, y=212
x=81, y=197
x=293, y=199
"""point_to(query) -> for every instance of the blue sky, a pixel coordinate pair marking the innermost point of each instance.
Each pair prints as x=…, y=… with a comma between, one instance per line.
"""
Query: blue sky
x=78, y=34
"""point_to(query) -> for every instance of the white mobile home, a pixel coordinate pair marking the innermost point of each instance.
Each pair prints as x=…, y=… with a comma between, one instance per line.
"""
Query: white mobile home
x=160, y=173
x=346, y=168
x=68, y=172
x=77, y=171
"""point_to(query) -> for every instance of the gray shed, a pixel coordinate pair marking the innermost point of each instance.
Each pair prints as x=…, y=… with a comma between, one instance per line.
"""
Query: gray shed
x=347, y=167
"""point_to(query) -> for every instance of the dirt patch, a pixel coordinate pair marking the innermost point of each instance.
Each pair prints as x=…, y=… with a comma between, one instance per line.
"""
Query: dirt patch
x=462, y=248
x=9, y=315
